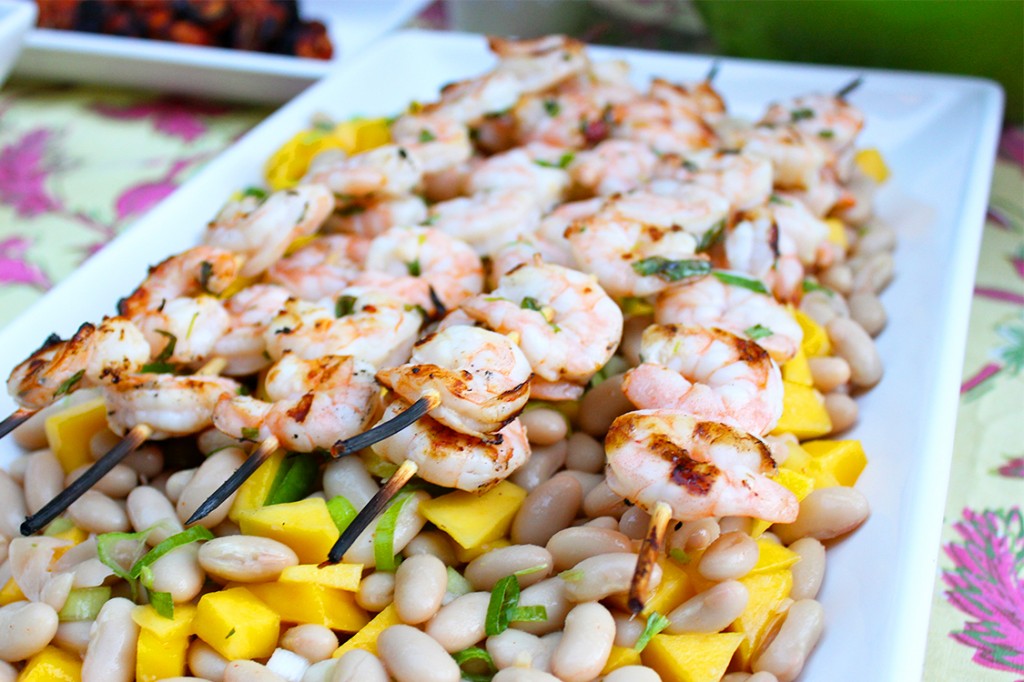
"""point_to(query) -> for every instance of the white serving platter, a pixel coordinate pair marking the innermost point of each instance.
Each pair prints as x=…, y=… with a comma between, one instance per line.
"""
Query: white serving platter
x=219, y=73
x=938, y=134
x=15, y=20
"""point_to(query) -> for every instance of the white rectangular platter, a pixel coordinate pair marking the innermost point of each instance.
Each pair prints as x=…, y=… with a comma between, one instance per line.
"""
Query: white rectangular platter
x=938, y=134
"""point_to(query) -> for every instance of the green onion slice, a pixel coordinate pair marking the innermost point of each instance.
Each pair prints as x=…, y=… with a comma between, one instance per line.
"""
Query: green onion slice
x=294, y=480
x=457, y=584
x=342, y=512
x=384, y=535
x=758, y=331
x=655, y=624
x=160, y=364
x=185, y=537
x=69, y=383
x=810, y=285
x=481, y=665
x=84, y=603
x=671, y=270
x=504, y=598
x=755, y=285
x=162, y=603
x=107, y=545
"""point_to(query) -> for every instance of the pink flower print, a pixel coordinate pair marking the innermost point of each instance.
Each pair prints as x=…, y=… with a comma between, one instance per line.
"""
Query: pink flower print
x=138, y=199
x=15, y=268
x=23, y=175
x=171, y=116
x=1013, y=468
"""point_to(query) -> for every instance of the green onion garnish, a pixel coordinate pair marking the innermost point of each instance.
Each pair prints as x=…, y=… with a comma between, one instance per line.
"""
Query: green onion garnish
x=193, y=534
x=69, y=383
x=655, y=624
x=758, y=331
x=755, y=285
x=671, y=270
x=294, y=480
x=384, y=535
x=342, y=512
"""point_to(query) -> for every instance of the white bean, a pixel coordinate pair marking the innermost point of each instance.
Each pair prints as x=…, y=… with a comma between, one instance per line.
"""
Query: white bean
x=809, y=572
x=348, y=477
x=825, y=514
x=29, y=563
x=874, y=273
x=544, y=426
x=787, y=653
x=420, y=585
x=148, y=508
x=829, y=373
x=842, y=412
x=839, y=277
x=587, y=481
x=12, y=506
x=212, y=440
x=549, y=508
x=414, y=656
x=175, y=484
x=179, y=573
x=877, y=239
x=711, y=610
x=249, y=671
x=570, y=546
x=74, y=636
x=604, y=575
x=543, y=463
x=208, y=477
x=407, y=526
x=25, y=628
x=111, y=654
x=586, y=643
x=634, y=522
x=694, y=536
x=246, y=558
x=44, y=478
x=601, y=405
x=432, y=542
x=515, y=648
x=16, y=469
x=116, y=483
x=606, y=522
x=854, y=345
x=97, y=513
x=56, y=590
x=627, y=629
x=551, y=594
x=486, y=570
x=312, y=642
x=523, y=675
x=632, y=673
x=147, y=461
x=376, y=591
x=585, y=453
x=91, y=573
x=461, y=623
x=601, y=501
x=321, y=671
x=203, y=660
x=730, y=556
x=867, y=310
x=359, y=666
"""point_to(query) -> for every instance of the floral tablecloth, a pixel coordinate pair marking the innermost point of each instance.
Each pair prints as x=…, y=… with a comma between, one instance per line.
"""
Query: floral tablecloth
x=78, y=164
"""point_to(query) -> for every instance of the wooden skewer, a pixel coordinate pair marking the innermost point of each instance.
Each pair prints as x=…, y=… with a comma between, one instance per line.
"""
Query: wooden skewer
x=649, y=551
x=713, y=71
x=372, y=509
x=234, y=482
x=849, y=87
x=389, y=428
x=15, y=419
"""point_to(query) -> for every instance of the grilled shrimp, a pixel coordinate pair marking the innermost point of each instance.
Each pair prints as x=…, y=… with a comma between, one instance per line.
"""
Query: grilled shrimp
x=451, y=459
x=534, y=170
x=322, y=268
x=568, y=327
x=626, y=242
x=486, y=221
x=700, y=98
x=95, y=354
x=797, y=161
x=669, y=119
x=436, y=139
x=539, y=63
x=831, y=120
x=186, y=330
x=701, y=469
x=482, y=377
x=556, y=118
x=743, y=179
x=244, y=345
x=263, y=235
x=371, y=325
x=613, y=167
x=370, y=217
x=389, y=171
x=170, y=405
x=711, y=374
x=419, y=259
x=311, y=403
x=738, y=308
x=526, y=250
x=200, y=270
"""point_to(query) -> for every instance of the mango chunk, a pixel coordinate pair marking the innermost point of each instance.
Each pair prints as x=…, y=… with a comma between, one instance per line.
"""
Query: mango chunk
x=305, y=526
x=237, y=624
x=366, y=638
x=767, y=591
x=675, y=588
x=253, y=492
x=837, y=233
x=157, y=658
x=75, y=534
x=52, y=665
x=773, y=557
x=69, y=431
x=471, y=520
x=815, y=342
x=11, y=593
x=466, y=555
x=872, y=164
x=803, y=412
x=691, y=657
x=794, y=481
x=841, y=460
x=620, y=657
x=339, y=576
x=797, y=370
x=180, y=625
x=309, y=603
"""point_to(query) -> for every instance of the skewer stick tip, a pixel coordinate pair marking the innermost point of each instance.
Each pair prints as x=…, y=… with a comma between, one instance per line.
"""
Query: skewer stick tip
x=649, y=551
x=235, y=480
x=383, y=430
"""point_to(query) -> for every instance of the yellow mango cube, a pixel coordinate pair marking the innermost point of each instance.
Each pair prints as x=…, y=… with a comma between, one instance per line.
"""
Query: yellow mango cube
x=254, y=491
x=797, y=483
x=366, y=638
x=471, y=520
x=872, y=164
x=773, y=557
x=797, y=370
x=157, y=658
x=797, y=458
x=837, y=233
x=691, y=657
x=767, y=591
x=620, y=657
x=237, y=624
x=803, y=412
x=307, y=603
x=69, y=431
x=466, y=555
x=75, y=534
x=675, y=588
x=11, y=593
x=842, y=460
x=339, y=576
x=306, y=526
x=180, y=625
x=52, y=665
x=815, y=342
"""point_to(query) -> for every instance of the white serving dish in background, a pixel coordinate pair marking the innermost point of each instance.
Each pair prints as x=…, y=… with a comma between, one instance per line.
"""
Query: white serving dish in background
x=938, y=134
x=15, y=20
x=216, y=73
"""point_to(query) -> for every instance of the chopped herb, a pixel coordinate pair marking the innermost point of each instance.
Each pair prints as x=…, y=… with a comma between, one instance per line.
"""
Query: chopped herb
x=800, y=114
x=162, y=603
x=671, y=270
x=810, y=285
x=757, y=332
x=413, y=267
x=384, y=535
x=481, y=665
x=107, y=545
x=504, y=598
x=530, y=303
x=655, y=624
x=552, y=107
x=776, y=199
x=344, y=306
x=256, y=192
x=711, y=237
x=635, y=305
x=528, y=614
x=690, y=166
x=679, y=555
x=740, y=281
x=427, y=136
x=531, y=570
x=342, y=512
x=193, y=534
x=191, y=324
x=826, y=134
x=563, y=161
x=205, y=272
x=160, y=364
x=69, y=384
x=572, y=575
x=250, y=433
x=431, y=219
x=294, y=480
x=231, y=633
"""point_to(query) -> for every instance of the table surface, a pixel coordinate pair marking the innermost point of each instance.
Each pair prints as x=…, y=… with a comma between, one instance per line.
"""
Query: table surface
x=78, y=164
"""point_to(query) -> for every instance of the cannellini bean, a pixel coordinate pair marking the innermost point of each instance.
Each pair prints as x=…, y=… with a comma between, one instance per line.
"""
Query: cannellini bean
x=312, y=642
x=74, y=636
x=601, y=405
x=148, y=508
x=111, y=654
x=632, y=337
x=514, y=648
x=632, y=673
x=12, y=506
x=875, y=273
x=694, y=536
x=116, y=483
x=571, y=546
x=551, y=594
x=825, y=514
x=730, y=556
x=787, y=653
x=601, y=501
x=16, y=469
x=212, y=440
x=102, y=442
x=606, y=522
x=634, y=523
x=321, y=671
x=414, y=656
x=842, y=411
x=44, y=478
x=711, y=610
x=543, y=463
x=586, y=643
x=544, y=426
x=204, y=661
x=249, y=671
x=486, y=570
x=809, y=572
x=246, y=558
x=523, y=675
x=549, y=508
x=461, y=623
x=867, y=310
x=348, y=477
x=176, y=482
x=823, y=307
x=407, y=526
x=434, y=543
x=25, y=628
x=587, y=481
x=208, y=477
x=877, y=239
x=854, y=345
x=604, y=575
x=147, y=461
x=8, y=673
x=97, y=513
x=376, y=591
x=3, y=548
x=829, y=373
x=179, y=573
x=359, y=666
x=839, y=277
x=227, y=528
x=627, y=629
x=735, y=524
x=420, y=584
x=585, y=453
